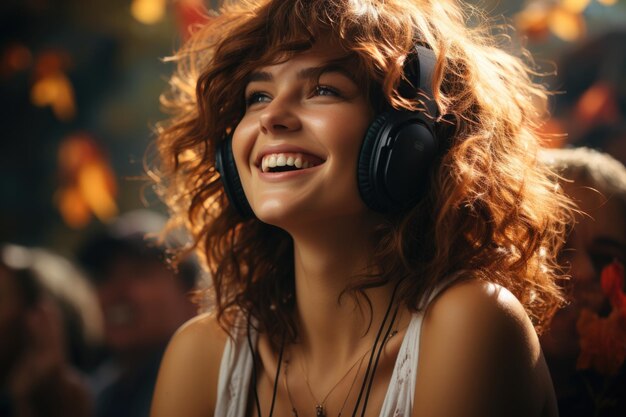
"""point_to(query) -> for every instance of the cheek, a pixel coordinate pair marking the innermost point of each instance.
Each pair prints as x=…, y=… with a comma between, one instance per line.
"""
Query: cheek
x=243, y=141
x=350, y=148
x=347, y=139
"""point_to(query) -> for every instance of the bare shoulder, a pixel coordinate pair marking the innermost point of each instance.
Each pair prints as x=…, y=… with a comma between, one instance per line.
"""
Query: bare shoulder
x=480, y=355
x=473, y=302
x=187, y=382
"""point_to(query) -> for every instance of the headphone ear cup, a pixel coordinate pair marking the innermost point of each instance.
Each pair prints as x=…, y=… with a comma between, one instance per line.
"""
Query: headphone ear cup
x=366, y=177
x=396, y=155
x=225, y=165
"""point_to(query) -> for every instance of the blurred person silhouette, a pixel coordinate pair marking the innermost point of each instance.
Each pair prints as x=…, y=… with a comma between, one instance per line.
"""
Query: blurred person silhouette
x=592, y=108
x=49, y=325
x=143, y=299
x=585, y=346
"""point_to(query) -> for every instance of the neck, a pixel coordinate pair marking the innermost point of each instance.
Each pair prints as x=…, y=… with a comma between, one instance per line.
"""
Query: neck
x=333, y=326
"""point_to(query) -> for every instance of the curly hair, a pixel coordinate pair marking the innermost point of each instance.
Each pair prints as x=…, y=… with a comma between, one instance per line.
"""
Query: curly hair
x=491, y=211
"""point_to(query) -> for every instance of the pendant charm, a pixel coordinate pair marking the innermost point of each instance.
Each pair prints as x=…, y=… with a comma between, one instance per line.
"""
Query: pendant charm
x=319, y=411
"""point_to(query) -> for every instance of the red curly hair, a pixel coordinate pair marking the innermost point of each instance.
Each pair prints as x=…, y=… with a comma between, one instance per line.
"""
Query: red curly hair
x=491, y=211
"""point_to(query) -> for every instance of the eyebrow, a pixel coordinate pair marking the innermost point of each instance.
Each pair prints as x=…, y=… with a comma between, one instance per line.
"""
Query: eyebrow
x=305, y=73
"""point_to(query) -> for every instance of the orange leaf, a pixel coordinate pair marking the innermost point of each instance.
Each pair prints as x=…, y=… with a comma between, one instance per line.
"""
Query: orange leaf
x=598, y=104
x=148, y=12
x=84, y=170
x=533, y=21
x=94, y=183
x=56, y=91
x=575, y=6
x=73, y=208
x=566, y=25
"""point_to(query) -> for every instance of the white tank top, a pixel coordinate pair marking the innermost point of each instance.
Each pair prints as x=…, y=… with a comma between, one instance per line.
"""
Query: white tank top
x=236, y=372
x=236, y=368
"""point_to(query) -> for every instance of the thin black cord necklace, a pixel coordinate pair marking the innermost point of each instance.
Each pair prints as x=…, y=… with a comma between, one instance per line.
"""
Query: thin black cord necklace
x=254, y=375
x=369, y=386
x=369, y=365
x=367, y=371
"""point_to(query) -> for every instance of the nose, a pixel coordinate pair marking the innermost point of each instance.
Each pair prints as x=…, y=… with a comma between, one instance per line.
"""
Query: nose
x=279, y=117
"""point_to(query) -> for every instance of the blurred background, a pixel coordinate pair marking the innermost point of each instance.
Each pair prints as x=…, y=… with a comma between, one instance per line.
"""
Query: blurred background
x=80, y=81
x=79, y=88
x=79, y=97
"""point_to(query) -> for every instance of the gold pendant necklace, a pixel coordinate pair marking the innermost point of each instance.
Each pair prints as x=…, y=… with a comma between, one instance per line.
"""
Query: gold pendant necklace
x=319, y=405
x=320, y=410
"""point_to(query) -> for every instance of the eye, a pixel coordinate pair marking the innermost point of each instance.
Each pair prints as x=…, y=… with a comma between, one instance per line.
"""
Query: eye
x=256, y=97
x=325, y=90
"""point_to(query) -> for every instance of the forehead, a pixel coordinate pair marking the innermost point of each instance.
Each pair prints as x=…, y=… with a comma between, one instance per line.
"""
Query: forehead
x=323, y=55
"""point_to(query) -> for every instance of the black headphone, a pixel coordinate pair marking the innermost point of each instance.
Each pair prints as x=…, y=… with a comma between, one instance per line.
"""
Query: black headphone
x=397, y=151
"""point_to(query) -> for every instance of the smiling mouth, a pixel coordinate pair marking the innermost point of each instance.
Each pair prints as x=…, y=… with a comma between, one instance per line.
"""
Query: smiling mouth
x=283, y=162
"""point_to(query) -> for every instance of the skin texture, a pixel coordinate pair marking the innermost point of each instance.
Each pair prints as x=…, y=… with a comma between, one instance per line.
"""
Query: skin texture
x=187, y=383
x=289, y=111
x=479, y=354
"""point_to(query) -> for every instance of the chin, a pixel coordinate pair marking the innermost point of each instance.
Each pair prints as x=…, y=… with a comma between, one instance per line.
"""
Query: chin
x=291, y=216
x=276, y=212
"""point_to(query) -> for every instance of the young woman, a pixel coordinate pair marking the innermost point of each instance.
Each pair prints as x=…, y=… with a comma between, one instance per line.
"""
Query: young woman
x=360, y=177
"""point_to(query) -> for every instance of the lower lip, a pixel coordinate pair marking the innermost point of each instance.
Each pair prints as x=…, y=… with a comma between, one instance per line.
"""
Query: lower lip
x=286, y=175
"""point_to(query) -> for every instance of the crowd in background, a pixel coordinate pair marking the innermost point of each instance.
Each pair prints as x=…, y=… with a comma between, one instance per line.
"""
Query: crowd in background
x=87, y=340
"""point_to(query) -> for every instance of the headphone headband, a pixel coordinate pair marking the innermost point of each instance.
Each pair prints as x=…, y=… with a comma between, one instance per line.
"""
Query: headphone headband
x=400, y=146
x=419, y=69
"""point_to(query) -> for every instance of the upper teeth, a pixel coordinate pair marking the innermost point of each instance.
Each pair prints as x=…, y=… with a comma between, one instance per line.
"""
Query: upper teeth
x=284, y=159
